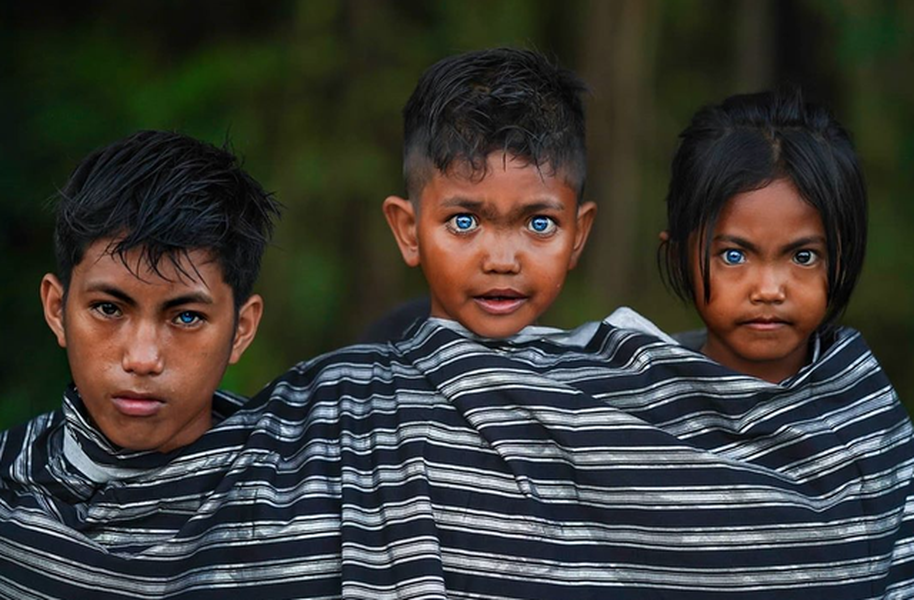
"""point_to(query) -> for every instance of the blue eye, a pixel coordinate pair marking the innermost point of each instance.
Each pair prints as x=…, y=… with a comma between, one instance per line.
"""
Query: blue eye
x=733, y=256
x=541, y=224
x=463, y=223
x=188, y=318
x=805, y=257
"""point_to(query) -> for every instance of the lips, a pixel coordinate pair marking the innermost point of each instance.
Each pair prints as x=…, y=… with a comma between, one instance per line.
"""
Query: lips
x=501, y=301
x=137, y=404
x=764, y=323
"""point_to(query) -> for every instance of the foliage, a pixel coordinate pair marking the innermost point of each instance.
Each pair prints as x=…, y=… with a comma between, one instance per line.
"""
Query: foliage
x=310, y=94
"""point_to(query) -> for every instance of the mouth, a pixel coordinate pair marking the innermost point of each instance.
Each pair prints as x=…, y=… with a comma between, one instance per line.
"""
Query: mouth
x=501, y=301
x=764, y=323
x=137, y=404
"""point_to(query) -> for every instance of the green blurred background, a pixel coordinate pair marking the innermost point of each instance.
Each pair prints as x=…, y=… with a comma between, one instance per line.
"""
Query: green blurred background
x=310, y=94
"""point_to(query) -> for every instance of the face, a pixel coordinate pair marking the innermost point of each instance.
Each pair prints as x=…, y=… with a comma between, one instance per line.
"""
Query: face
x=769, y=282
x=146, y=353
x=495, y=251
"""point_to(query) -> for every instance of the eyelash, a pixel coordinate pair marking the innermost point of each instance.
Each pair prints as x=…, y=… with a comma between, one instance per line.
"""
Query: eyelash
x=453, y=221
x=99, y=307
x=198, y=318
x=551, y=225
x=472, y=223
x=739, y=261
x=813, y=257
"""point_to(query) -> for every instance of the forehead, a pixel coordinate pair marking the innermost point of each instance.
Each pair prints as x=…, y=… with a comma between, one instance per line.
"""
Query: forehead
x=774, y=211
x=506, y=180
x=101, y=263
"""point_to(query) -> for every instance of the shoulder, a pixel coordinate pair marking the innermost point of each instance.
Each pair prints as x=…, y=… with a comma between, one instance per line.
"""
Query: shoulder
x=627, y=318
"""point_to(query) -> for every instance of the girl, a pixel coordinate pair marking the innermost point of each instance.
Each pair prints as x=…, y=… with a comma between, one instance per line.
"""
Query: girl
x=767, y=218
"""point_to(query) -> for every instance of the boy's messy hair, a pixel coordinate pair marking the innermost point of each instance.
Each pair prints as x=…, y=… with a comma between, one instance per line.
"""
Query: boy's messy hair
x=166, y=194
x=744, y=144
x=508, y=100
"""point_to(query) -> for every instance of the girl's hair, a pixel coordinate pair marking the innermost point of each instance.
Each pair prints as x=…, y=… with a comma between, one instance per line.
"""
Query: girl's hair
x=745, y=143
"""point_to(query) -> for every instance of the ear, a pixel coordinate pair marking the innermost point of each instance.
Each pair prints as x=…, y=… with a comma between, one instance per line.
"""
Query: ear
x=586, y=213
x=664, y=237
x=402, y=218
x=248, y=320
x=52, y=301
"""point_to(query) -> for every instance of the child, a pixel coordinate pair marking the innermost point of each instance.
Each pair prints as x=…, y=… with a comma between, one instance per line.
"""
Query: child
x=158, y=244
x=159, y=239
x=767, y=217
x=495, y=163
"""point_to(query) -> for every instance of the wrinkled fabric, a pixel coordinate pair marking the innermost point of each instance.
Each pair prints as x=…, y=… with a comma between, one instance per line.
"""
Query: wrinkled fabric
x=600, y=463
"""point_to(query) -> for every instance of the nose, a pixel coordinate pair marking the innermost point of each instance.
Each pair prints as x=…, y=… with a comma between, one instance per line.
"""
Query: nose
x=502, y=254
x=770, y=287
x=142, y=352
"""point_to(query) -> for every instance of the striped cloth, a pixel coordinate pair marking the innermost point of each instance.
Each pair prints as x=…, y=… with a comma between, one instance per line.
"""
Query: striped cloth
x=444, y=466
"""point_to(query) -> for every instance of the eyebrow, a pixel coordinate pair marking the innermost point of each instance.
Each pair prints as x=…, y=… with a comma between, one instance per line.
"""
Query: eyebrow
x=190, y=298
x=797, y=243
x=483, y=208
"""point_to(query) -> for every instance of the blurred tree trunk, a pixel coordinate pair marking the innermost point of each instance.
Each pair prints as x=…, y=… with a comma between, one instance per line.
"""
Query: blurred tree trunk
x=616, y=63
x=754, y=45
x=375, y=274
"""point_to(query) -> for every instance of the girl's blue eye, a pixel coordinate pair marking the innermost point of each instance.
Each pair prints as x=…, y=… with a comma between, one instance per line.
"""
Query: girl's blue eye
x=463, y=222
x=733, y=256
x=541, y=224
x=804, y=257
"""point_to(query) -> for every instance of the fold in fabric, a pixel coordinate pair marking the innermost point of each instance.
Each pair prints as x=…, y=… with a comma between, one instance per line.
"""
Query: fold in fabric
x=608, y=463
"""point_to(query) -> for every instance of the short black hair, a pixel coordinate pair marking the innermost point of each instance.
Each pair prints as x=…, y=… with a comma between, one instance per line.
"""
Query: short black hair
x=516, y=101
x=167, y=194
x=747, y=142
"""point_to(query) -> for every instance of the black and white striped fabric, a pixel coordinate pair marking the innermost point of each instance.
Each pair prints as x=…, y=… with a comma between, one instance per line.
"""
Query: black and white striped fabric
x=448, y=467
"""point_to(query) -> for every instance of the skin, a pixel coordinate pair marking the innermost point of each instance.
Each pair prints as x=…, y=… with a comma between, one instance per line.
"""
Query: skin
x=495, y=250
x=769, y=282
x=147, y=351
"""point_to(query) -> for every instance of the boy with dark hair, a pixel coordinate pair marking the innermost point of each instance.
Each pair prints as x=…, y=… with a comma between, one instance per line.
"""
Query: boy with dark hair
x=159, y=239
x=158, y=243
x=494, y=162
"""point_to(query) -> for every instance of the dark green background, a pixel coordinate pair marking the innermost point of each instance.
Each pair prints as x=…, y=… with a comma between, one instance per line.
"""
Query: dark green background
x=310, y=94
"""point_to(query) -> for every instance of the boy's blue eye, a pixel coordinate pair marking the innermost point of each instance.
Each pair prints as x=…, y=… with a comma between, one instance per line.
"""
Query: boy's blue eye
x=733, y=256
x=188, y=318
x=541, y=224
x=463, y=222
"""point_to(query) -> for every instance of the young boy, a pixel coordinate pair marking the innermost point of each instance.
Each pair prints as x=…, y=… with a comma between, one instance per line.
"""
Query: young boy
x=158, y=243
x=494, y=162
x=159, y=239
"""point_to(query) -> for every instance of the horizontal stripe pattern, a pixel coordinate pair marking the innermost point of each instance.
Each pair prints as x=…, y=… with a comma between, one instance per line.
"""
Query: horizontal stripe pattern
x=445, y=466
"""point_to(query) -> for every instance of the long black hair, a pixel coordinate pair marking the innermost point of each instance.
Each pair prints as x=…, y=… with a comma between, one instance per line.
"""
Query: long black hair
x=745, y=143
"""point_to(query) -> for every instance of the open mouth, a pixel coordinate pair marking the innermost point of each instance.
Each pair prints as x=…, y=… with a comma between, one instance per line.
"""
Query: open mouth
x=500, y=302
